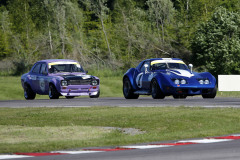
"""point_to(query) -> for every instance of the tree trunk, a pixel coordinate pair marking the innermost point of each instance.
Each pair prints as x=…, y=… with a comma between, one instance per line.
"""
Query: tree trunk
x=105, y=34
x=50, y=38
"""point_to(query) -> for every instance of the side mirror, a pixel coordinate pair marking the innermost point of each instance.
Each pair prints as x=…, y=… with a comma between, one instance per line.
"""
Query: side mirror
x=86, y=72
x=191, y=67
x=146, y=68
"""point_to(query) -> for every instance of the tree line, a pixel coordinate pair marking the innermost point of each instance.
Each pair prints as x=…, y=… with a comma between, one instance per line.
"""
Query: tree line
x=117, y=34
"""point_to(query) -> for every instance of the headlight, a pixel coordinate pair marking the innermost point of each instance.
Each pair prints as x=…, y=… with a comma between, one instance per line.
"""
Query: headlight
x=201, y=81
x=64, y=83
x=94, y=82
x=206, y=81
x=183, y=81
x=176, y=81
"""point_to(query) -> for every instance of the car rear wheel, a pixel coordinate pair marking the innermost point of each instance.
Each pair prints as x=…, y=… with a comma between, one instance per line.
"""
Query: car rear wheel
x=156, y=91
x=95, y=96
x=128, y=90
x=28, y=92
x=53, y=93
x=212, y=94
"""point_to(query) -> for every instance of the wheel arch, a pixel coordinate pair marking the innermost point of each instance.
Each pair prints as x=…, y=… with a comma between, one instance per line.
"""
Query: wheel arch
x=55, y=83
x=130, y=75
x=27, y=84
x=158, y=80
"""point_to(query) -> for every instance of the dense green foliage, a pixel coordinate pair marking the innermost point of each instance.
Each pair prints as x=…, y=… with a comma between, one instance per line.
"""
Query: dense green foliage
x=216, y=44
x=107, y=33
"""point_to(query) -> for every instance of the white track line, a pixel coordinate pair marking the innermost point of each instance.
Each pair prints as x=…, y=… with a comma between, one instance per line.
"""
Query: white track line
x=76, y=152
x=13, y=156
x=206, y=140
x=147, y=146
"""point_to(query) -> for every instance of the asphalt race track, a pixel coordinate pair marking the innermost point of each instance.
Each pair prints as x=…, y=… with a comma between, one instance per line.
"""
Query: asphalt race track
x=227, y=150
x=121, y=102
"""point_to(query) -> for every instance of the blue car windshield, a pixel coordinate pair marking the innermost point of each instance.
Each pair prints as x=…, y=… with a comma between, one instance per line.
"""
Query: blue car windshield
x=65, y=68
x=162, y=66
x=177, y=66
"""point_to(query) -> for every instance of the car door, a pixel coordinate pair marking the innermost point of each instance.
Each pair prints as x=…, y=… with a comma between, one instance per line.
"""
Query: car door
x=42, y=80
x=34, y=77
x=146, y=75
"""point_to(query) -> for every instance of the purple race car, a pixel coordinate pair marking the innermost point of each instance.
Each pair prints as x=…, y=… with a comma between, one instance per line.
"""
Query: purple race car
x=59, y=77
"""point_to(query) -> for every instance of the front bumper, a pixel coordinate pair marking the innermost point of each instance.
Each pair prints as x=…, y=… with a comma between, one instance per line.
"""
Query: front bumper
x=189, y=90
x=79, y=90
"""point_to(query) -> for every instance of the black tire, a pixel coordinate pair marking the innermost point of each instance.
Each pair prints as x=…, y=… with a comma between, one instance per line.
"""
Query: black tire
x=28, y=92
x=53, y=93
x=96, y=96
x=212, y=94
x=128, y=90
x=69, y=97
x=179, y=96
x=156, y=90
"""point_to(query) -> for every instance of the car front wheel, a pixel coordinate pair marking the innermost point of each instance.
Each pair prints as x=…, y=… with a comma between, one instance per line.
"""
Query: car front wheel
x=53, y=93
x=212, y=94
x=128, y=90
x=28, y=92
x=156, y=91
x=95, y=96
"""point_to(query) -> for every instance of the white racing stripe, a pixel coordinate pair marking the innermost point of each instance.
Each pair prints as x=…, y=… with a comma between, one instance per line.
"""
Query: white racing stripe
x=75, y=152
x=206, y=141
x=147, y=146
x=183, y=73
x=13, y=156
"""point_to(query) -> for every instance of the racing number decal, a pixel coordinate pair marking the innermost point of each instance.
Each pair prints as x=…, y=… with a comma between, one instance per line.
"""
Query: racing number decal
x=42, y=84
x=139, y=80
x=150, y=77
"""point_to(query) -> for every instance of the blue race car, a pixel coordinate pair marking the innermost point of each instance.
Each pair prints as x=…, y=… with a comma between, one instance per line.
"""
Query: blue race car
x=162, y=77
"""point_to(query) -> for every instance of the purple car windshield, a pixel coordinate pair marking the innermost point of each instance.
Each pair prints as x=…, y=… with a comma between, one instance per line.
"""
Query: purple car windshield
x=64, y=67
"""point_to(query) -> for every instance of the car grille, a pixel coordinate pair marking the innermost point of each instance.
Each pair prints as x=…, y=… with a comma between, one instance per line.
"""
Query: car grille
x=79, y=82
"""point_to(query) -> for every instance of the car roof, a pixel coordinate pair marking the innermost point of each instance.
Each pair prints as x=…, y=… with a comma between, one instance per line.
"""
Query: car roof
x=153, y=59
x=57, y=60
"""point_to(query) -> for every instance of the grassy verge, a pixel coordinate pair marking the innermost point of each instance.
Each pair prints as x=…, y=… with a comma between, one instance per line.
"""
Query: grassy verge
x=110, y=85
x=46, y=129
x=11, y=88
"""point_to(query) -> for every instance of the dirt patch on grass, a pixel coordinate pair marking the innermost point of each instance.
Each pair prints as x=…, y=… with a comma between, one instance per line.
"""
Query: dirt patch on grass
x=19, y=134
x=130, y=131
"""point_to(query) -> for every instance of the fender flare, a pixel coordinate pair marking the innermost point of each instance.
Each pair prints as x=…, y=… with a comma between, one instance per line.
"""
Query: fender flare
x=157, y=78
x=55, y=83
x=210, y=77
x=130, y=75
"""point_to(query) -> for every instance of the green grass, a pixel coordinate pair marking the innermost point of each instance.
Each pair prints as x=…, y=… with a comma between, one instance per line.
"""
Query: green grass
x=110, y=86
x=228, y=94
x=47, y=129
x=11, y=88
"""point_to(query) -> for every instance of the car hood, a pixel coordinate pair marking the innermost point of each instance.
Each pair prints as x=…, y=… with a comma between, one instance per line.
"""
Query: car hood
x=180, y=72
x=74, y=76
x=77, y=77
